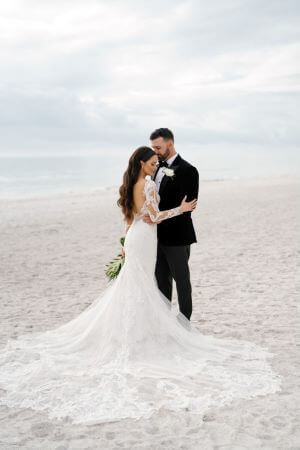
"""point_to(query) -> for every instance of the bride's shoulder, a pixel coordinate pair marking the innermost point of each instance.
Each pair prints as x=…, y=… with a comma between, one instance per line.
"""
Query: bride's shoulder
x=148, y=181
x=144, y=184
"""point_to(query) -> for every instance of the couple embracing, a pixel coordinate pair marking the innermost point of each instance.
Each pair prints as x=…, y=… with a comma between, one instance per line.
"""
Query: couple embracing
x=176, y=183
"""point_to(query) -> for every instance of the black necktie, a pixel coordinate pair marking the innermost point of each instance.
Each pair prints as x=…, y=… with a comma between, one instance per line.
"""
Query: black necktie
x=163, y=164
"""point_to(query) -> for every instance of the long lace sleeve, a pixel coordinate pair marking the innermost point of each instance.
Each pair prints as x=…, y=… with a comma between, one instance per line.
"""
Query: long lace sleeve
x=152, y=201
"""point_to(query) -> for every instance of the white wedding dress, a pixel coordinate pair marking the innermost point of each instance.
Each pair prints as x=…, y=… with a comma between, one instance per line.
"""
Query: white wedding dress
x=128, y=354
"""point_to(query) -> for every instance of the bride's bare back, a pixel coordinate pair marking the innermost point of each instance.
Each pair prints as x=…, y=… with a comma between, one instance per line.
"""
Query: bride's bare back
x=138, y=195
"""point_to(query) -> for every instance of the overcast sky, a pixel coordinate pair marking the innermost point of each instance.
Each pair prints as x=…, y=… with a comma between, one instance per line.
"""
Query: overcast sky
x=97, y=76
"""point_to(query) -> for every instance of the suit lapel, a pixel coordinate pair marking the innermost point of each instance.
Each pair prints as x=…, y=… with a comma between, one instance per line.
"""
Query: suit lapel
x=154, y=176
x=164, y=180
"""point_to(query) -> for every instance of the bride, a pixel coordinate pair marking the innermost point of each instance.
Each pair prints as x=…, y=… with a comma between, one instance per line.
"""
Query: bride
x=128, y=355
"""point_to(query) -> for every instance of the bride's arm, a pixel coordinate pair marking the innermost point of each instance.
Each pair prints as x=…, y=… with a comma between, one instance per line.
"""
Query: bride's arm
x=151, y=202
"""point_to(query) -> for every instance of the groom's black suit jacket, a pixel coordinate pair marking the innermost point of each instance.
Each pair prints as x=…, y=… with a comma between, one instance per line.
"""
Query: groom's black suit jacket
x=178, y=230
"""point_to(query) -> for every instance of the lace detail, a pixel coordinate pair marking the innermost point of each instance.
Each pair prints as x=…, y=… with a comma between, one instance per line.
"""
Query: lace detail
x=129, y=354
x=150, y=205
x=152, y=201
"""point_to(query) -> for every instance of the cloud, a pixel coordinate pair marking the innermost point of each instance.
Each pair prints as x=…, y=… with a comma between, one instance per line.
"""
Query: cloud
x=99, y=76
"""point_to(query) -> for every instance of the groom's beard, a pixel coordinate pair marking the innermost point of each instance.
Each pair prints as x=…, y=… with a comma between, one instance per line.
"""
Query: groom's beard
x=164, y=157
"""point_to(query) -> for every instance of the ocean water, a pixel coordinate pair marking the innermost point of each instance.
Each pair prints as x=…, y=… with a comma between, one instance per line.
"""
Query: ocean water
x=23, y=176
x=34, y=175
x=26, y=176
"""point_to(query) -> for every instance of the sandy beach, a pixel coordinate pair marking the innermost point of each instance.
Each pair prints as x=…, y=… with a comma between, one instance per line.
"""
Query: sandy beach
x=243, y=270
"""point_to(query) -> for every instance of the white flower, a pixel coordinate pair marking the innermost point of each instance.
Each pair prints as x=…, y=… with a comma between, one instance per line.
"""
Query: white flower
x=168, y=172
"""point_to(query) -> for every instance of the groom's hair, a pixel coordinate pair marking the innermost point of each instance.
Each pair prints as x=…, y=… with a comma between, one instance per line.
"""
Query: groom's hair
x=165, y=133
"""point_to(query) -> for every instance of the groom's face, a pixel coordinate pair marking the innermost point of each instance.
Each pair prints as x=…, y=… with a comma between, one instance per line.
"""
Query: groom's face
x=161, y=147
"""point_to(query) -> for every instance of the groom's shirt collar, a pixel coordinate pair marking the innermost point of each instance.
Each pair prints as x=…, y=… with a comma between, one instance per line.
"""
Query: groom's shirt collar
x=170, y=160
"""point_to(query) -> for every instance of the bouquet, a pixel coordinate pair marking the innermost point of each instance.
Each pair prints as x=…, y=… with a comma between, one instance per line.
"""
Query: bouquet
x=114, y=267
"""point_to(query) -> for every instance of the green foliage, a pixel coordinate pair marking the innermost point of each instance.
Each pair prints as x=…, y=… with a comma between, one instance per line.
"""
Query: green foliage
x=114, y=267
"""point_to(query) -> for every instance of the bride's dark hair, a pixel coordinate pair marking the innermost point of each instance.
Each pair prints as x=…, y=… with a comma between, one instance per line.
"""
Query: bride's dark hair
x=130, y=178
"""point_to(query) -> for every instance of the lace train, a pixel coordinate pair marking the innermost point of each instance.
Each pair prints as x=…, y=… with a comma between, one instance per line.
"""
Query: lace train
x=127, y=355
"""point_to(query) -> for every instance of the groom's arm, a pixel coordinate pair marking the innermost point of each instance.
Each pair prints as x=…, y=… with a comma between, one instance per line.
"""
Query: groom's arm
x=191, y=183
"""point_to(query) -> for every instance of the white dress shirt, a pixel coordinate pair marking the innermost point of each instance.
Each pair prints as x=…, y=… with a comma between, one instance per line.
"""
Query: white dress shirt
x=160, y=173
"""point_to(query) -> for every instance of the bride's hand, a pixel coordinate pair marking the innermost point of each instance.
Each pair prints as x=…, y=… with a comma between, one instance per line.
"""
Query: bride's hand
x=122, y=251
x=147, y=219
x=188, y=206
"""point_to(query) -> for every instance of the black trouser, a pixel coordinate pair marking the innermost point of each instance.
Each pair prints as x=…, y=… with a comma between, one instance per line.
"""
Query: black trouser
x=172, y=263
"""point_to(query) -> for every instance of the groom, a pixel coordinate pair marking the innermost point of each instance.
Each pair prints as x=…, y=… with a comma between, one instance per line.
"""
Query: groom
x=174, y=179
